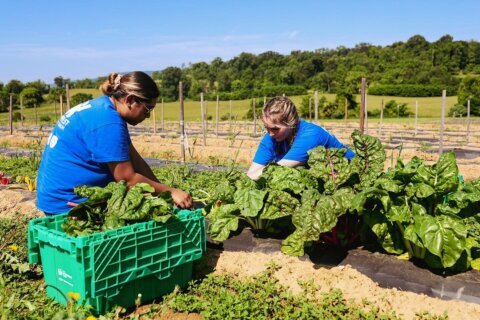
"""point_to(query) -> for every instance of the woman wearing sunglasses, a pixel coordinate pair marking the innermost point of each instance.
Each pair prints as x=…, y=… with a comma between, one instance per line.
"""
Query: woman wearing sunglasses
x=91, y=145
x=288, y=139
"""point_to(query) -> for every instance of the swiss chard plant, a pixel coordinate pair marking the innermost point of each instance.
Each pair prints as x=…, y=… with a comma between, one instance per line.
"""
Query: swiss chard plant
x=423, y=211
x=338, y=181
x=311, y=198
x=116, y=206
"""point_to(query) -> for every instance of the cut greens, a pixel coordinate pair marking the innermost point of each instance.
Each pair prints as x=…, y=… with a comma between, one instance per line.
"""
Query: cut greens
x=116, y=206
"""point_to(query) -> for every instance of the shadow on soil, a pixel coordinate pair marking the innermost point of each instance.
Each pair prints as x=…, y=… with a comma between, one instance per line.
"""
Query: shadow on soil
x=386, y=270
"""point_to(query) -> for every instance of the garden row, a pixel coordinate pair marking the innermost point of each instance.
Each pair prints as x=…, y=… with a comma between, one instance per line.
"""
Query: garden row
x=414, y=209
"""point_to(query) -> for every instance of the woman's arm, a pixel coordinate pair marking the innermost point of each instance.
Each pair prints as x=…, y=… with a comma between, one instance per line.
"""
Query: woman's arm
x=140, y=165
x=255, y=170
x=137, y=170
x=290, y=163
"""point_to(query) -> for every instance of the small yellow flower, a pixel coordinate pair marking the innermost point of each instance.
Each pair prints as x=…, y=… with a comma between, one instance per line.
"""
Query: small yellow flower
x=91, y=318
x=73, y=295
x=13, y=247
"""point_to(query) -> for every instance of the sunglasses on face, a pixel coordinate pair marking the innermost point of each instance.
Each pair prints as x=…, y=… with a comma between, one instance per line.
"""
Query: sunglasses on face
x=272, y=129
x=148, y=109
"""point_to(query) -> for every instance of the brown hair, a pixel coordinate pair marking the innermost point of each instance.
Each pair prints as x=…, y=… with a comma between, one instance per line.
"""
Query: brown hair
x=282, y=110
x=136, y=83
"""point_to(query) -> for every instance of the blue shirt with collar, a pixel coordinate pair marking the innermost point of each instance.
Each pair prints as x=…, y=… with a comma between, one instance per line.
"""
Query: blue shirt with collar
x=309, y=136
x=84, y=140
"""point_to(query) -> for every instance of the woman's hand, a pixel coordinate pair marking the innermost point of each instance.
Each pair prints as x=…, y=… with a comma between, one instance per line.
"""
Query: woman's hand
x=181, y=198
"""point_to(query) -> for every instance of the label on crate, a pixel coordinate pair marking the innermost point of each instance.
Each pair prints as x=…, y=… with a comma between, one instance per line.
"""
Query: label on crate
x=64, y=277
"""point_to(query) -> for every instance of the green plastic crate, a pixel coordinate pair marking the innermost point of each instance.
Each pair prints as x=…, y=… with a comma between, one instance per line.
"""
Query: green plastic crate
x=113, y=267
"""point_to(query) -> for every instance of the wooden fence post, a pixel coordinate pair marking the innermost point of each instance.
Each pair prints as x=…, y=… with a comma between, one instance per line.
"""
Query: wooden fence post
x=362, y=105
x=36, y=114
x=316, y=106
x=346, y=109
x=416, y=118
x=154, y=122
x=310, y=108
x=61, y=105
x=21, y=109
x=67, y=94
x=55, y=109
x=216, y=116
x=182, y=122
x=163, y=116
x=230, y=115
x=203, y=119
x=11, y=113
x=206, y=116
x=442, y=121
x=468, y=121
x=381, y=121
x=366, y=113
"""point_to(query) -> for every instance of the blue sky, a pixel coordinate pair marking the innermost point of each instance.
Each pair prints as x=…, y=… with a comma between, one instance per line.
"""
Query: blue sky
x=87, y=39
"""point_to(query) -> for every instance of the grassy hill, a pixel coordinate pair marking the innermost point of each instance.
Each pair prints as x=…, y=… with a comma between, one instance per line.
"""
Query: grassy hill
x=428, y=107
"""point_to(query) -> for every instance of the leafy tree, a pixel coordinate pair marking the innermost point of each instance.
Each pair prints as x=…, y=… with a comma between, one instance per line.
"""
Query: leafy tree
x=393, y=109
x=59, y=81
x=416, y=62
x=31, y=96
x=85, y=84
x=14, y=86
x=4, y=100
x=80, y=98
x=470, y=90
x=40, y=85
x=55, y=93
x=170, y=78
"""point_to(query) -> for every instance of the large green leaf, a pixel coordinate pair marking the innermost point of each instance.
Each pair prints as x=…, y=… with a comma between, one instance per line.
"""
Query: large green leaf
x=420, y=190
x=404, y=172
x=294, y=244
x=316, y=215
x=250, y=201
x=368, y=198
x=443, y=236
x=387, y=184
x=278, y=204
x=442, y=176
x=369, y=158
x=222, y=220
x=399, y=214
x=330, y=166
x=389, y=237
x=284, y=178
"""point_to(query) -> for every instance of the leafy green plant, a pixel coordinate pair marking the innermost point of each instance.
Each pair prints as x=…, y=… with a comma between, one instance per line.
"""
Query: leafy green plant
x=262, y=297
x=420, y=209
x=116, y=206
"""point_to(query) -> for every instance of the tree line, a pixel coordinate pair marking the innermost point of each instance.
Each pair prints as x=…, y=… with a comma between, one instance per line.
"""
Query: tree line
x=415, y=67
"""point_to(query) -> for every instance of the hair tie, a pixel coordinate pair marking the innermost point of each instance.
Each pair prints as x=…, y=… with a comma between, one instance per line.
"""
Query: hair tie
x=116, y=82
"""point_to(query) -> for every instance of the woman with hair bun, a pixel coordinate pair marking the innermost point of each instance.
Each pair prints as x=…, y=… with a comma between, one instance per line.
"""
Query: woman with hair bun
x=288, y=139
x=90, y=145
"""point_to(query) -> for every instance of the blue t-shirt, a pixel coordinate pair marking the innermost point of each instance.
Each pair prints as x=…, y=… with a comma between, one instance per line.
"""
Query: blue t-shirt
x=81, y=144
x=308, y=136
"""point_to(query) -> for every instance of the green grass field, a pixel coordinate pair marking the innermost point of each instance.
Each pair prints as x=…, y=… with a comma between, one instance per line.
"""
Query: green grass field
x=428, y=107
